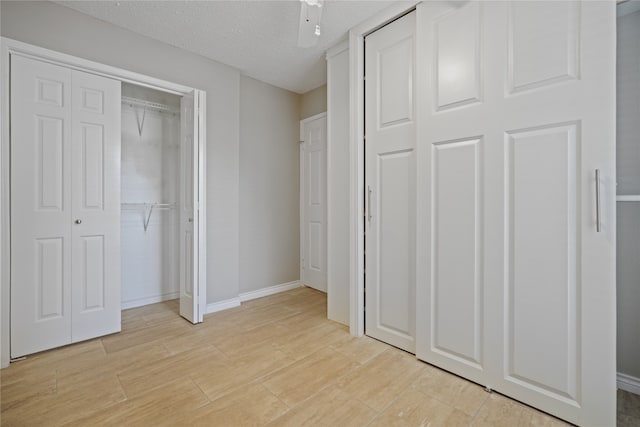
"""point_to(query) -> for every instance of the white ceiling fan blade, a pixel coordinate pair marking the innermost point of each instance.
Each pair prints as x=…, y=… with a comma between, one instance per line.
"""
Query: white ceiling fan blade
x=309, y=24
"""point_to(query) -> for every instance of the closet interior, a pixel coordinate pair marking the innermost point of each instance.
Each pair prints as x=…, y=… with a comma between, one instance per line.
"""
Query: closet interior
x=150, y=196
x=628, y=195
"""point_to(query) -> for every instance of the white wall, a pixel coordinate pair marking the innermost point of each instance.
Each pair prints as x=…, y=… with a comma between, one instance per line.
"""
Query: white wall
x=62, y=29
x=628, y=215
x=313, y=102
x=338, y=184
x=269, y=186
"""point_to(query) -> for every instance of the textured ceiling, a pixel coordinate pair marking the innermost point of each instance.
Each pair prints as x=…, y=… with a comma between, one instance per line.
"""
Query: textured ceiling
x=257, y=37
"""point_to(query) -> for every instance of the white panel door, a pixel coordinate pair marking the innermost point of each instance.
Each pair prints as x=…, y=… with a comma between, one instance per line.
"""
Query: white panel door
x=516, y=286
x=390, y=183
x=65, y=204
x=40, y=206
x=95, y=188
x=313, y=196
x=451, y=314
x=189, y=298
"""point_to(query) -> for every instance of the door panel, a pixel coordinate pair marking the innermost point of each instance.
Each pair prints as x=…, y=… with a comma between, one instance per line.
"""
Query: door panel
x=313, y=153
x=457, y=55
x=395, y=65
x=40, y=206
x=542, y=55
x=542, y=198
x=456, y=301
x=393, y=265
x=390, y=183
x=49, y=296
x=543, y=118
x=93, y=266
x=96, y=205
x=50, y=157
x=92, y=166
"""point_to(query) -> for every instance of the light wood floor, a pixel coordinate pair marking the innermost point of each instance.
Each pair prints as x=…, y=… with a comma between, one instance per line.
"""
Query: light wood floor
x=273, y=361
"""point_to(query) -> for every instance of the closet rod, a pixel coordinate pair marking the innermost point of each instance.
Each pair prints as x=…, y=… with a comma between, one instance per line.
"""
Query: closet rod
x=133, y=102
x=144, y=204
x=148, y=209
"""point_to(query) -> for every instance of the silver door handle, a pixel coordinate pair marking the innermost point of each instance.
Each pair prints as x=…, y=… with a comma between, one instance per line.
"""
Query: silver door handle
x=598, y=226
x=78, y=221
x=369, y=203
x=190, y=220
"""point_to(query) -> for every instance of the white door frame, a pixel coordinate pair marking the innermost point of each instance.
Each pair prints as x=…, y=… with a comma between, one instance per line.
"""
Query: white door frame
x=303, y=122
x=356, y=159
x=10, y=47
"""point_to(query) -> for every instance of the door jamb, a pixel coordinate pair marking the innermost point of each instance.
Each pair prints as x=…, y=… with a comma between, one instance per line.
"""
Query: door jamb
x=10, y=47
x=356, y=159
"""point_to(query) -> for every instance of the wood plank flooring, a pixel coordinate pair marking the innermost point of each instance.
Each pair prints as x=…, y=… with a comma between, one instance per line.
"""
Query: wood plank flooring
x=274, y=361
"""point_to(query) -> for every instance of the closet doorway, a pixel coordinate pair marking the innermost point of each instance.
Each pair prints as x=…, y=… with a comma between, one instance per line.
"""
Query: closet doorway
x=156, y=219
x=88, y=183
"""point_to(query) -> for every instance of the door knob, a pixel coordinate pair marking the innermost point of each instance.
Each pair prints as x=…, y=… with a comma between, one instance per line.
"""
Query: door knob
x=190, y=219
x=78, y=221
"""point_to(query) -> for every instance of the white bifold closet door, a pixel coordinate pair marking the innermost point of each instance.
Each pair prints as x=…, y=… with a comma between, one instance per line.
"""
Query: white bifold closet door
x=65, y=206
x=390, y=183
x=516, y=235
x=189, y=158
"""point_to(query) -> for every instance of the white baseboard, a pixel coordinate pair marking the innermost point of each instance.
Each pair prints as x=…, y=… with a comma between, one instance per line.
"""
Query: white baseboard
x=264, y=292
x=246, y=296
x=222, y=305
x=150, y=300
x=629, y=383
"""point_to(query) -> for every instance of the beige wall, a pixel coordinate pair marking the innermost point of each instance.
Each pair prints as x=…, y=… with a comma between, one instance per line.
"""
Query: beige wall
x=62, y=29
x=313, y=102
x=269, y=185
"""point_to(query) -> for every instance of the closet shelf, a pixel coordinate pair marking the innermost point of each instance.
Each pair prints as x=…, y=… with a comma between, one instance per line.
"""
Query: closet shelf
x=133, y=102
x=147, y=105
x=148, y=208
x=628, y=198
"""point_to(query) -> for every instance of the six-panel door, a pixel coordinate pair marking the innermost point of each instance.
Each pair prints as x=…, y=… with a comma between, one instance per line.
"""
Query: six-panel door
x=65, y=206
x=314, y=201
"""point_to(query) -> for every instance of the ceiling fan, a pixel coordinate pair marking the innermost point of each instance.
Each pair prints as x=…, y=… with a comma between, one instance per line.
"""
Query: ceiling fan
x=309, y=24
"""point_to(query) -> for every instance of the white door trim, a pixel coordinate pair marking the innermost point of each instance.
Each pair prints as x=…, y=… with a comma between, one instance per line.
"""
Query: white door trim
x=10, y=47
x=356, y=159
x=303, y=123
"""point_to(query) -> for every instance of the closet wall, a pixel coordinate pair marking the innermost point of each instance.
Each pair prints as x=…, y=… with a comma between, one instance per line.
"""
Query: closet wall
x=628, y=212
x=150, y=174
